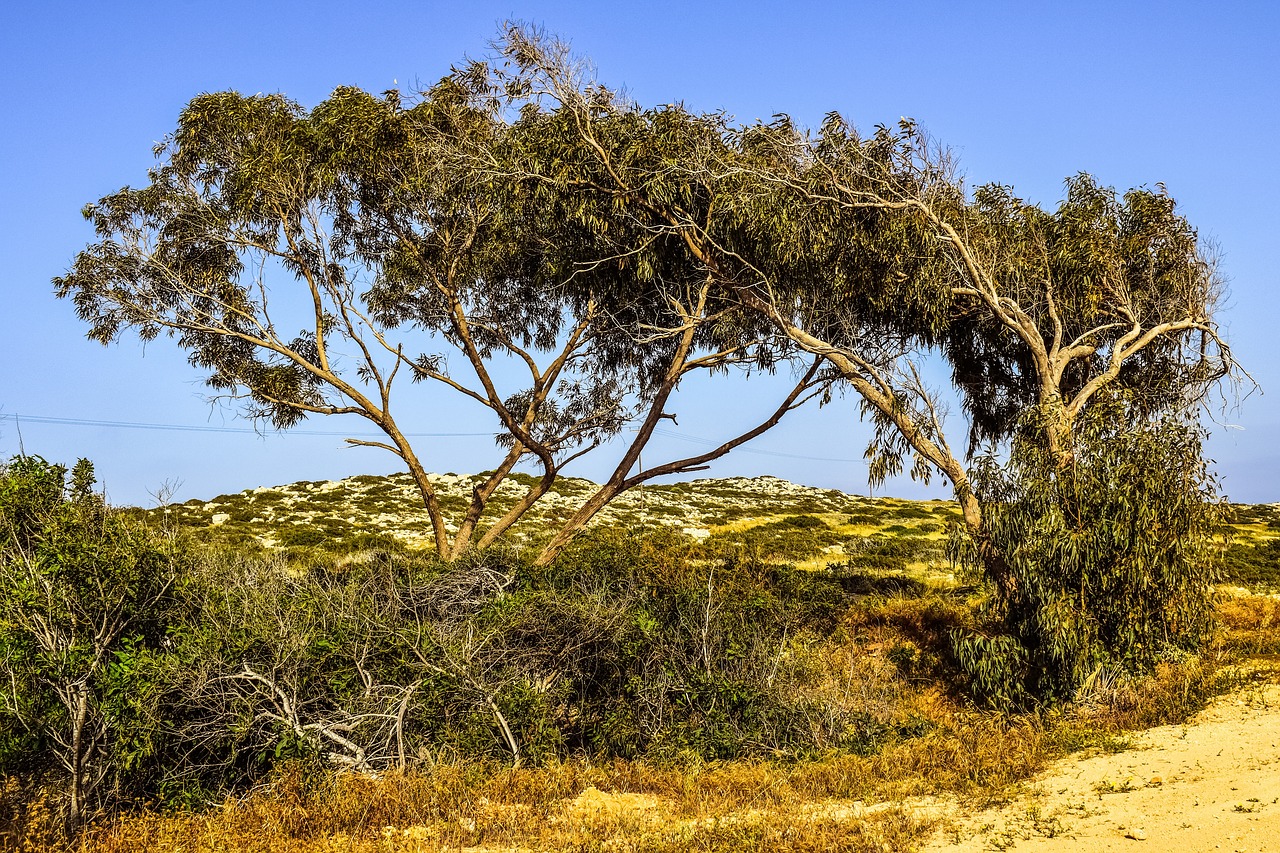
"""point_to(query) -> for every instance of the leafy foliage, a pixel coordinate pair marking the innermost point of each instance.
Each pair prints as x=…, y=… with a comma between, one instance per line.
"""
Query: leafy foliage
x=393, y=236
x=1087, y=273
x=83, y=607
x=1106, y=563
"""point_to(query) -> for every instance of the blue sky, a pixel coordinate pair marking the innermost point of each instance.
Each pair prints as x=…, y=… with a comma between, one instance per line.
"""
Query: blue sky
x=1026, y=93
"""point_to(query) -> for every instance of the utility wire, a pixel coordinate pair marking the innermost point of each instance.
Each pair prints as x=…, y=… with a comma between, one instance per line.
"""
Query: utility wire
x=85, y=422
x=40, y=419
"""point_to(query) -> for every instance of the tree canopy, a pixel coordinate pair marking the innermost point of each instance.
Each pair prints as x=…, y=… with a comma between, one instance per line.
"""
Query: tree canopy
x=308, y=260
x=870, y=252
x=521, y=213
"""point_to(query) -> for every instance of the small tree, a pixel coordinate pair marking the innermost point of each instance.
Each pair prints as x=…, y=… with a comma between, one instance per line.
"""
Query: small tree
x=82, y=587
x=1112, y=555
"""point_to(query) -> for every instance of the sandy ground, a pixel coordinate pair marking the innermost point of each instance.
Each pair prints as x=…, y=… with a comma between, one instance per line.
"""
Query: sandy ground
x=1212, y=784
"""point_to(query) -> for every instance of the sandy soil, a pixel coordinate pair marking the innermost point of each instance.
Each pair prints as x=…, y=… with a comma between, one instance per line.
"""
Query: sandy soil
x=1212, y=784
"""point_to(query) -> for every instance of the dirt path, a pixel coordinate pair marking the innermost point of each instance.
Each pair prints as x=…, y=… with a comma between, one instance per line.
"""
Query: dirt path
x=1213, y=784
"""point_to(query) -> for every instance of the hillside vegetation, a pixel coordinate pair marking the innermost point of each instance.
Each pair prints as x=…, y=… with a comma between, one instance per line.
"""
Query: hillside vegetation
x=765, y=516
x=768, y=516
x=716, y=665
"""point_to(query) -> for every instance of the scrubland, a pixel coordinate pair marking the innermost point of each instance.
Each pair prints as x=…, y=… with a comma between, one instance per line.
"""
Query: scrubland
x=722, y=665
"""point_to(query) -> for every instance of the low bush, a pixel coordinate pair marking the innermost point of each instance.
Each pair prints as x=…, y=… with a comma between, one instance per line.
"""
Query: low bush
x=627, y=646
x=490, y=692
x=886, y=554
x=1255, y=565
x=789, y=539
x=1107, y=561
x=1171, y=693
x=1252, y=624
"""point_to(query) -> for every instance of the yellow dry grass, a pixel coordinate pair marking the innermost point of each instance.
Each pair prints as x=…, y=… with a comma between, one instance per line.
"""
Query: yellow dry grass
x=842, y=801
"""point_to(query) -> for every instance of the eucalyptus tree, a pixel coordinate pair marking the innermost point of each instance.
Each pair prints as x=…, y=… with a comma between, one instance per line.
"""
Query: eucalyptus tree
x=1044, y=308
x=860, y=288
x=868, y=251
x=1046, y=312
x=398, y=242
x=1081, y=340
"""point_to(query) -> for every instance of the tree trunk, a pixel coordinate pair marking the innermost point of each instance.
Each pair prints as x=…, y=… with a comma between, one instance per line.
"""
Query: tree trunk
x=78, y=781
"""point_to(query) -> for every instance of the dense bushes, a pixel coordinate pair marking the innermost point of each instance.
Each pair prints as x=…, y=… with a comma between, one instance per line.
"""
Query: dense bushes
x=198, y=673
x=189, y=672
x=623, y=647
x=85, y=597
x=1106, y=562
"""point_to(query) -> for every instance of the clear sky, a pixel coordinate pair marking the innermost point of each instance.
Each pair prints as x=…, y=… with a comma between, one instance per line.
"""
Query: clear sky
x=1184, y=93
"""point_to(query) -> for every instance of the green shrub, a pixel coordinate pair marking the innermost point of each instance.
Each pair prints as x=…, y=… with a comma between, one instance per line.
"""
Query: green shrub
x=85, y=600
x=360, y=652
x=872, y=517
x=1107, y=561
x=789, y=539
x=303, y=536
x=1254, y=565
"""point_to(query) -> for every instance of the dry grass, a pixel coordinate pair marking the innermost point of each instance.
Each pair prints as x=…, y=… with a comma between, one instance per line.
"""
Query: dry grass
x=926, y=740
x=1252, y=623
x=575, y=806
x=844, y=802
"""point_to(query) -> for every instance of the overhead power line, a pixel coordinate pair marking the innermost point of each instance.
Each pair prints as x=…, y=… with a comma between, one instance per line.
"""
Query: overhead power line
x=40, y=419
x=88, y=422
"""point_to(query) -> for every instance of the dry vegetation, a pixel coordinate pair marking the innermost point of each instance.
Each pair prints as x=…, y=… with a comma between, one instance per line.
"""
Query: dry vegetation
x=839, y=802
x=778, y=520
x=895, y=706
